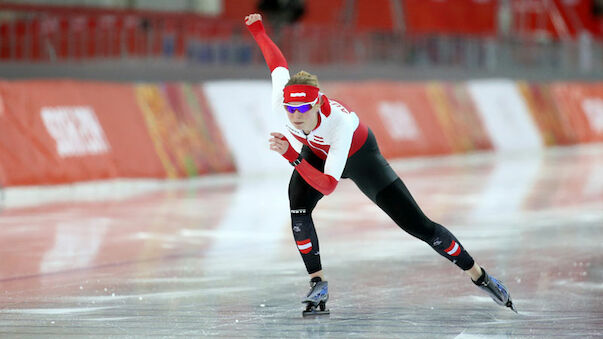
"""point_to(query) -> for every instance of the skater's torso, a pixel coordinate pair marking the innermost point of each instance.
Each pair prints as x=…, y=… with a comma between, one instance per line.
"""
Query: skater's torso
x=329, y=127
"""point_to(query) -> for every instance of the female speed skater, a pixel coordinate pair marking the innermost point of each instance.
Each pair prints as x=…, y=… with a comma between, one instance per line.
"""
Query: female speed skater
x=335, y=145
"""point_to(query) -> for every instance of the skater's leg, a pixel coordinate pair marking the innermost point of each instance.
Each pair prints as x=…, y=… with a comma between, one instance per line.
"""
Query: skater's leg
x=474, y=272
x=398, y=203
x=376, y=179
x=302, y=200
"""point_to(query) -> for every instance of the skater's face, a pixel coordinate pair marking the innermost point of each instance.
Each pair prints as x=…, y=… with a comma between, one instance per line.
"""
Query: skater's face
x=303, y=115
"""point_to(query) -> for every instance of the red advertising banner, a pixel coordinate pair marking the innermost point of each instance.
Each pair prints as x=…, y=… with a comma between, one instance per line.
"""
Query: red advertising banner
x=458, y=117
x=581, y=106
x=401, y=116
x=553, y=125
x=65, y=131
x=62, y=131
x=184, y=133
x=415, y=119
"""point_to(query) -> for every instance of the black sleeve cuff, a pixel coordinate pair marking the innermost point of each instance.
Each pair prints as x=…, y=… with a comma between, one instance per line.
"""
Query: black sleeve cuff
x=297, y=161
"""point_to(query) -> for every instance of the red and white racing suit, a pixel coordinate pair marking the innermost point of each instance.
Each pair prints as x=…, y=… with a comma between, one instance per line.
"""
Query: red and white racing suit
x=337, y=136
x=342, y=147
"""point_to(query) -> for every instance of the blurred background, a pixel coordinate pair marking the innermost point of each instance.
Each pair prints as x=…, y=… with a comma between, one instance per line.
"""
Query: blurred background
x=205, y=39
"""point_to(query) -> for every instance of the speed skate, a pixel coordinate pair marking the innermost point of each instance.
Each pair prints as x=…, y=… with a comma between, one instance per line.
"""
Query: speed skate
x=496, y=290
x=316, y=300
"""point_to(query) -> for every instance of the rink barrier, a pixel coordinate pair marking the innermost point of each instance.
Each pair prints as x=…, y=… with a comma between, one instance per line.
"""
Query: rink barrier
x=505, y=115
x=184, y=132
x=553, y=126
x=63, y=131
x=54, y=132
x=581, y=107
x=416, y=119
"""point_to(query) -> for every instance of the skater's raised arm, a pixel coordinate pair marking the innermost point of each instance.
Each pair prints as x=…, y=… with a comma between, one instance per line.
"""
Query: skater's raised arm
x=274, y=59
x=272, y=54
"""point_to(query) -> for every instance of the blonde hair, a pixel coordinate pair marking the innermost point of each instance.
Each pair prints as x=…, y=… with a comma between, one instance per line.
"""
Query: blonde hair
x=303, y=78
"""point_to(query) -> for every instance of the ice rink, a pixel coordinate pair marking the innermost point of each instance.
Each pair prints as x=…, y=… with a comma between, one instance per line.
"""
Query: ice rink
x=215, y=257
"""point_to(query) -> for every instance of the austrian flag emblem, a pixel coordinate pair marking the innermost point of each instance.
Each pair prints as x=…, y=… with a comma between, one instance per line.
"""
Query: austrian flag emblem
x=305, y=246
x=454, y=249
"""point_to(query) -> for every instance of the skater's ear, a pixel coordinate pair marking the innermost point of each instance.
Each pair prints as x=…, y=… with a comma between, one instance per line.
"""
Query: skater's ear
x=321, y=101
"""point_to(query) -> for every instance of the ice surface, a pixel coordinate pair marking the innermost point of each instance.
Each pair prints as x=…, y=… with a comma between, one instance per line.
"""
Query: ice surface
x=219, y=260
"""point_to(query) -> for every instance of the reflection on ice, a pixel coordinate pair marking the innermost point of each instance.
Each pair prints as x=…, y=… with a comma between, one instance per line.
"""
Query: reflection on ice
x=205, y=258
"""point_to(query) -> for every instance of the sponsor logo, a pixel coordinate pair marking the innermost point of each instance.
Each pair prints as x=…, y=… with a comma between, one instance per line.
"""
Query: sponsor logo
x=304, y=246
x=340, y=106
x=437, y=242
x=296, y=228
x=297, y=94
x=398, y=120
x=593, y=109
x=454, y=249
x=299, y=211
x=76, y=130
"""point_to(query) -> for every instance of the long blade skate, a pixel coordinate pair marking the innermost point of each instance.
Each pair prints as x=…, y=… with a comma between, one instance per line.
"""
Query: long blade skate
x=511, y=306
x=314, y=310
x=316, y=300
x=496, y=290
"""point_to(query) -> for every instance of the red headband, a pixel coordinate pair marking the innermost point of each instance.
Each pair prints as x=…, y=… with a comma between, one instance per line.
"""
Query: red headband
x=301, y=93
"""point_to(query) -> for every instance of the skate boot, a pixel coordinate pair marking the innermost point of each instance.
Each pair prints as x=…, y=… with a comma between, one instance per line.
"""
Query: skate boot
x=316, y=298
x=495, y=289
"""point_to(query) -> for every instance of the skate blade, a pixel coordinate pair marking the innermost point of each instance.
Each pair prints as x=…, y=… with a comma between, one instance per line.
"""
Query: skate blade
x=512, y=307
x=315, y=313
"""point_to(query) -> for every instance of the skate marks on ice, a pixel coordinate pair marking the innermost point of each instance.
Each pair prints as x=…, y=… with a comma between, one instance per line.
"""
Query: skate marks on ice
x=414, y=310
x=220, y=261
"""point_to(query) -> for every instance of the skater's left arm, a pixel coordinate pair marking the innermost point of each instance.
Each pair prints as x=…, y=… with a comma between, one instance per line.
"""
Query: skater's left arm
x=337, y=157
x=322, y=182
x=341, y=141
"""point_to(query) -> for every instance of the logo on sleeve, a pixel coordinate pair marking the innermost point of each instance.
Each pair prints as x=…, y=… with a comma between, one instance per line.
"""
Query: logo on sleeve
x=454, y=249
x=305, y=246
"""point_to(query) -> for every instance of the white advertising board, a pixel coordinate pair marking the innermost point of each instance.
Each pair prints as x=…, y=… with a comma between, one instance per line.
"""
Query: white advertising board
x=243, y=112
x=505, y=115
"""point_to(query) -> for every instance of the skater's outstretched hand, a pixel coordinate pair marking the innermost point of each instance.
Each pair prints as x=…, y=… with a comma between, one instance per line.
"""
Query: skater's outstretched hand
x=251, y=18
x=280, y=144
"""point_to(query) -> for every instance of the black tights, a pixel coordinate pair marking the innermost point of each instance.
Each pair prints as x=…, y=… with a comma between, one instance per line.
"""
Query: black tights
x=375, y=178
